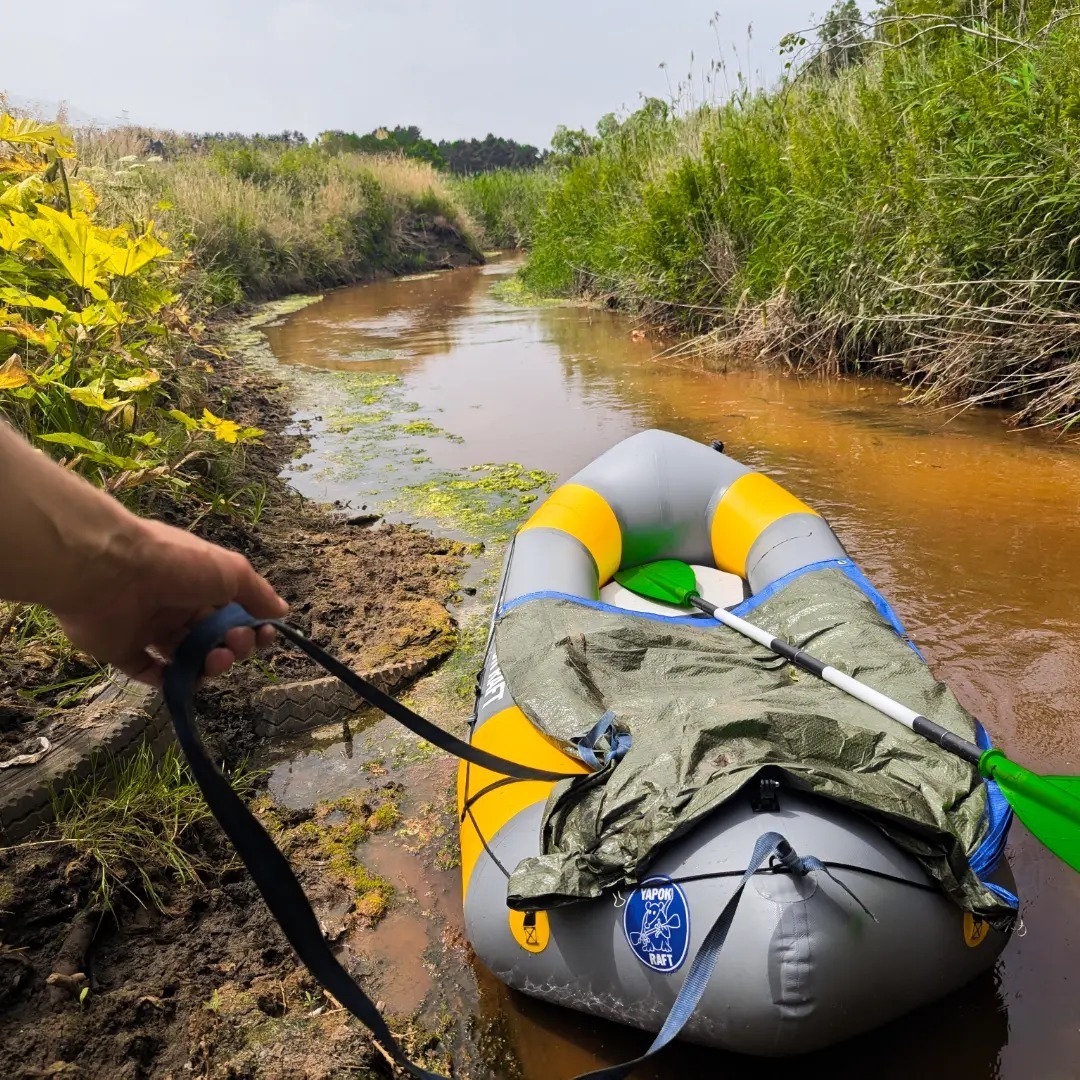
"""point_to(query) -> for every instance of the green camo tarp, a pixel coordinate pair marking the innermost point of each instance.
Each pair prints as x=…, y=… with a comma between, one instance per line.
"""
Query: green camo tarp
x=707, y=709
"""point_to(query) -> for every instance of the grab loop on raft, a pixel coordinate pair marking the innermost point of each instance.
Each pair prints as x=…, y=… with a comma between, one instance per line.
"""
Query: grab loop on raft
x=608, y=738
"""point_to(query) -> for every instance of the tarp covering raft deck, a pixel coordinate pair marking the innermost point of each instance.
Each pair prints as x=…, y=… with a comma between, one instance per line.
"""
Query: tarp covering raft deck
x=707, y=710
x=899, y=891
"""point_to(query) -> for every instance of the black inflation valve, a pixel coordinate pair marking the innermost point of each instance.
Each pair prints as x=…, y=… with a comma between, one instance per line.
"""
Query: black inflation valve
x=766, y=800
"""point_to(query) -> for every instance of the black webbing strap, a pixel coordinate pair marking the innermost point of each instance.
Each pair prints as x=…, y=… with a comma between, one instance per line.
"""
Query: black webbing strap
x=268, y=867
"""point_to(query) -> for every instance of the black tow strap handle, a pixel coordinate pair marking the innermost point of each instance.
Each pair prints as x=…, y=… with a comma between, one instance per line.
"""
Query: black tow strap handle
x=268, y=867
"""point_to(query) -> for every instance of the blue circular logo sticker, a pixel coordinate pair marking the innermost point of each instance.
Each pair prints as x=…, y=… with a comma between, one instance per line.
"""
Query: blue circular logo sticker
x=656, y=921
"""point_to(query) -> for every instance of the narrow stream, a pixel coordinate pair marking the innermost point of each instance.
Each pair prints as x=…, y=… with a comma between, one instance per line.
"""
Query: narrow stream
x=968, y=528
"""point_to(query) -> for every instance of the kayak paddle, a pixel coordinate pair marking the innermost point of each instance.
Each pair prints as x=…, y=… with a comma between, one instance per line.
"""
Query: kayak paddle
x=1048, y=805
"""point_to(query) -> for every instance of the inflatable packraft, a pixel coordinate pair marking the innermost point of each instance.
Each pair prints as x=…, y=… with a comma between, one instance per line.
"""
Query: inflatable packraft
x=699, y=752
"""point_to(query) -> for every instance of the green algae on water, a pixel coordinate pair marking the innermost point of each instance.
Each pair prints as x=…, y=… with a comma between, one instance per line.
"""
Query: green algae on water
x=427, y=428
x=484, y=501
x=516, y=293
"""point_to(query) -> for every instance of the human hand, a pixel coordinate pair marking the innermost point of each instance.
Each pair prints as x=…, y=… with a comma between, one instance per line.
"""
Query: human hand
x=157, y=588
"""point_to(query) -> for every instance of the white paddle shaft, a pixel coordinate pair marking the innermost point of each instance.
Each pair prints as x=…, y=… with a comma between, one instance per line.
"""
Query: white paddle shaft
x=916, y=722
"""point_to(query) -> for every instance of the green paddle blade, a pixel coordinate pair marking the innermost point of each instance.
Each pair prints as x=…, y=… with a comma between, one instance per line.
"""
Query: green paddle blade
x=1048, y=805
x=669, y=581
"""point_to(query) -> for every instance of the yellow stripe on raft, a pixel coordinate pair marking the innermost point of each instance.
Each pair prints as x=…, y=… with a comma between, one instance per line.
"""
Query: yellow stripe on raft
x=748, y=507
x=586, y=516
x=510, y=735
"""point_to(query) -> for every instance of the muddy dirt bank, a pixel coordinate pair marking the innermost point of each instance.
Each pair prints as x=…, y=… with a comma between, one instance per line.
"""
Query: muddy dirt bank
x=203, y=984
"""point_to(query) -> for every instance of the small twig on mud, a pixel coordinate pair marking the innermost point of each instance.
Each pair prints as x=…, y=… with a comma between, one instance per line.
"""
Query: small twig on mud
x=70, y=964
x=389, y=1059
x=16, y=956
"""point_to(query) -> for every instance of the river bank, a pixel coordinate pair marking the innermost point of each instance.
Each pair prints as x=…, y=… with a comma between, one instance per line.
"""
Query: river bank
x=395, y=399
x=912, y=215
x=116, y=369
x=419, y=394
x=133, y=944
x=153, y=970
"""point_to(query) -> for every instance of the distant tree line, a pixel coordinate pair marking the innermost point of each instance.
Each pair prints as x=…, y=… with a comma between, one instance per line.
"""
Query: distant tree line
x=463, y=156
x=460, y=156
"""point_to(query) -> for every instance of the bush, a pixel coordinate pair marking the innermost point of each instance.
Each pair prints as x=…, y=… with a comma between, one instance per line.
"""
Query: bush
x=266, y=222
x=93, y=328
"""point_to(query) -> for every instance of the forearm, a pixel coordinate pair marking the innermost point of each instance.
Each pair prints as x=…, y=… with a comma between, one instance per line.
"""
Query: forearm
x=62, y=541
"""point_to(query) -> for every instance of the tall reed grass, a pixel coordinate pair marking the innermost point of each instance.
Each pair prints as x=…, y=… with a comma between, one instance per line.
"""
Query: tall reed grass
x=918, y=214
x=506, y=203
x=258, y=224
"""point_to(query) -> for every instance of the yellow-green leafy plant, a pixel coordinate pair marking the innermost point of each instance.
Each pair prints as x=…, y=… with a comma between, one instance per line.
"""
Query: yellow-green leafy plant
x=92, y=324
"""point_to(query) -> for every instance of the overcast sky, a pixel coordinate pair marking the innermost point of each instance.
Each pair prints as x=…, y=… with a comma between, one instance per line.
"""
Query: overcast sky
x=457, y=68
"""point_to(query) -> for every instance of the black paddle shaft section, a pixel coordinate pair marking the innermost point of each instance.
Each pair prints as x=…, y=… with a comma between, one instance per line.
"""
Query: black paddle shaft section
x=942, y=737
x=946, y=739
x=782, y=648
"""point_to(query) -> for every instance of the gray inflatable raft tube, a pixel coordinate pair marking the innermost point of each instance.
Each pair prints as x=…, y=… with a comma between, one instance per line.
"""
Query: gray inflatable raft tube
x=804, y=966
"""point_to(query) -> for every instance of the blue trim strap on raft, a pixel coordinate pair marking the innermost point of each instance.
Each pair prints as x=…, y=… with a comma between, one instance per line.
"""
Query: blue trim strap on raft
x=599, y=605
x=703, y=964
x=999, y=816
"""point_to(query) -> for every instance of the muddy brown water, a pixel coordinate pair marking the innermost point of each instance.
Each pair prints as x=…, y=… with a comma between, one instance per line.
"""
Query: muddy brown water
x=968, y=528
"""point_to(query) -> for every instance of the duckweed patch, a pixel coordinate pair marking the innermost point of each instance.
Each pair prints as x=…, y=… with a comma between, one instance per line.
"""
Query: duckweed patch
x=275, y=310
x=430, y=430
x=467, y=658
x=515, y=292
x=484, y=501
x=361, y=356
x=246, y=338
x=365, y=429
x=342, y=422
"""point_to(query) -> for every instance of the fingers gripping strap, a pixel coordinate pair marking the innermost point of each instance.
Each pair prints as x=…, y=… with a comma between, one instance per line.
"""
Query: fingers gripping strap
x=191, y=654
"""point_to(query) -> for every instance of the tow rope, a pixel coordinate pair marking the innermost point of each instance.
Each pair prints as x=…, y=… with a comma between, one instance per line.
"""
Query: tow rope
x=285, y=897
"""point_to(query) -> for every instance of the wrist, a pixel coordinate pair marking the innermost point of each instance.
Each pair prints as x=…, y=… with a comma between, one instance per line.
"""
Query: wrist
x=101, y=543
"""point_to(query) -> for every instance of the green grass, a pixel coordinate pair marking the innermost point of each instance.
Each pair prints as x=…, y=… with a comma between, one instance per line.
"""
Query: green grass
x=137, y=820
x=506, y=204
x=917, y=215
x=261, y=223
